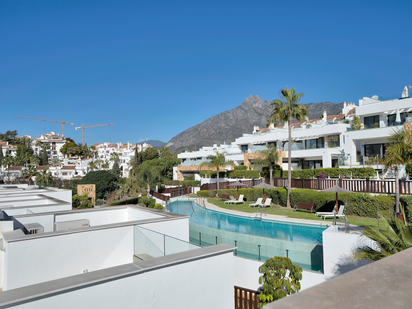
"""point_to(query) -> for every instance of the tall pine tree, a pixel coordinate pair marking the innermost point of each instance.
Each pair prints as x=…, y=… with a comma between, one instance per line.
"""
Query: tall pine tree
x=44, y=158
x=136, y=159
x=116, y=169
x=1, y=155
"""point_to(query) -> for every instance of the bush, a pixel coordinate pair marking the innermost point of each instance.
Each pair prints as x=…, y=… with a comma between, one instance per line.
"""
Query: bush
x=144, y=200
x=159, y=206
x=332, y=172
x=406, y=202
x=250, y=174
x=152, y=203
x=131, y=201
x=81, y=201
x=240, y=168
x=100, y=202
x=105, y=182
x=203, y=193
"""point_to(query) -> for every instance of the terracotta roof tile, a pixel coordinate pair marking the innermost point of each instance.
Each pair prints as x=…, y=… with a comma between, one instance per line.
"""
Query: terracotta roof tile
x=68, y=167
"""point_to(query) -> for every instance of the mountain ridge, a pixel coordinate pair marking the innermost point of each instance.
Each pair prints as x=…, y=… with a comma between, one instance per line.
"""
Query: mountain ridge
x=228, y=125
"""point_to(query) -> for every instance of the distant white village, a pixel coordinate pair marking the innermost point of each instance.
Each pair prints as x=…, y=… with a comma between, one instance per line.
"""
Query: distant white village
x=67, y=167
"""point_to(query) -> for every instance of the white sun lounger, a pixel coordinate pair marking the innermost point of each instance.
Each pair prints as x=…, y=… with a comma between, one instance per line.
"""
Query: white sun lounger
x=267, y=202
x=258, y=202
x=231, y=200
x=239, y=201
x=338, y=215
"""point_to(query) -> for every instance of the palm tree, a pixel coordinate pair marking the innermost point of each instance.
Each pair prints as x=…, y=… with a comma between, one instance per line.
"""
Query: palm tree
x=285, y=110
x=269, y=157
x=29, y=171
x=396, y=238
x=398, y=152
x=216, y=161
x=149, y=176
x=44, y=177
x=92, y=165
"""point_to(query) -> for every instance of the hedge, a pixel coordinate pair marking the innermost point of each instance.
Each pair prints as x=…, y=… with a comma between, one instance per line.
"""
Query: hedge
x=332, y=172
x=241, y=168
x=406, y=202
x=232, y=174
x=184, y=183
x=358, y=204
x=131, y=201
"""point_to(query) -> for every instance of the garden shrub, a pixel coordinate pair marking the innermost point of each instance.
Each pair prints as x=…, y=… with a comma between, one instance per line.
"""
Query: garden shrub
x=406, y=202
x=212, y=193
x=159, y=206
x=131, y=201
x=152, y=203
x=241, y=168
x=332, y=172
x=144, y=200
x=231, y=174
x=203, y=193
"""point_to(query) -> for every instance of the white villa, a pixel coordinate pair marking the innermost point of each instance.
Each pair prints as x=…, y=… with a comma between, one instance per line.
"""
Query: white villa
x=327, y=142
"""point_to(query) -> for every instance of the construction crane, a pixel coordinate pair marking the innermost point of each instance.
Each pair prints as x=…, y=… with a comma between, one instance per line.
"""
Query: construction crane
x=99, y=125
x=62, y=122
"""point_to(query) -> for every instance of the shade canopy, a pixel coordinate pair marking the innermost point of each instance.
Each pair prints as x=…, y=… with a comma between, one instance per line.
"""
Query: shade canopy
x=264, y=185
x=336, y=189
x=237, y=184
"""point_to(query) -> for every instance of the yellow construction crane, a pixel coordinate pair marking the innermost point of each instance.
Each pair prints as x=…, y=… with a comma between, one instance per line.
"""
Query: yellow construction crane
x=99, y=125
x=62, y=122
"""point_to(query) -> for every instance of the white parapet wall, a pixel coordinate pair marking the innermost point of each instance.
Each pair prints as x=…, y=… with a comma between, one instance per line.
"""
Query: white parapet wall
x=247, y=275
x=200, y=279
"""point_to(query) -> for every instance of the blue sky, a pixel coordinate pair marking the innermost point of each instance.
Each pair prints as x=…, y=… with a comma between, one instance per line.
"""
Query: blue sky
x=156, y=68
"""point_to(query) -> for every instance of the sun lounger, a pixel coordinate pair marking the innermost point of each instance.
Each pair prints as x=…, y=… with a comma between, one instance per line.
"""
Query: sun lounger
x=239, y=201
x=258, y=202
x=326, y=212
x=232, y=199
x=338, y=215
x=267, y=203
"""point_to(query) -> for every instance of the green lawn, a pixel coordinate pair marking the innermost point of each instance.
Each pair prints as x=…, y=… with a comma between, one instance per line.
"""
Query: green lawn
x=300, y=214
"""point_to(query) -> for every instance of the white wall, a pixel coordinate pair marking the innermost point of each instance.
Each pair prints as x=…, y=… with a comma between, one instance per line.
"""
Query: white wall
x=201, y=284
x=37, y=209
x=247, y=275
x=99, y=217
x=42, y=259
x=337, y=249
x=178, y=228
x=137, y=214
x=61, y=194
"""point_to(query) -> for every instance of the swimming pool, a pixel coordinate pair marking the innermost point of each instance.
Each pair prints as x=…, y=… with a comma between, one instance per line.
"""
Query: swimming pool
x=256, y=239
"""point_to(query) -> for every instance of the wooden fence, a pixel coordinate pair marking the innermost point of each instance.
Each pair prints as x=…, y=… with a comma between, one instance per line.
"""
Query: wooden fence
x=354, y=185
x=176, y=191
x=225, y=185
x=159, y=196
x=245, y=298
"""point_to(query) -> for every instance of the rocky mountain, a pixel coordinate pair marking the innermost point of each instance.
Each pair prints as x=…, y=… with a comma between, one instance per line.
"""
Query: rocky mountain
x=155, y=143
x=231, y=124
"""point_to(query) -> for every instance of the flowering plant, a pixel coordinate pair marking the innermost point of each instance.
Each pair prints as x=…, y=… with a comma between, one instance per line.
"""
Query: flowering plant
x=322, y=176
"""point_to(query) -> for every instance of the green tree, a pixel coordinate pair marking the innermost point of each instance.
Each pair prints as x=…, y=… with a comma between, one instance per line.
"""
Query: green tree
x=44, y=159
x=284, y=110
x=8, y=136
x=280, y=277
x=134, y=161
x=92, y=165
x=81, y=201
x=29, y=171
x=393, y=239
x=217, y=161
x=150, y=154
x=44, y=178
x=1, y=156
x=356, y=123
x=116, y=169
x=398, y=152
x=105, y=182
x=148, y=176
x=269, y=157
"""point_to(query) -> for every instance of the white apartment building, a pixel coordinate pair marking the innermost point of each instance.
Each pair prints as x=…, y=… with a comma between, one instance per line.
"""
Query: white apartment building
x=113, y=257
x=54, y=141
x=327, y=142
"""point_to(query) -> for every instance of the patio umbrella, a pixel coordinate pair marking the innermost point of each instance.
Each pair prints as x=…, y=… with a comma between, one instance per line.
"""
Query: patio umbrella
x=336, y=189
x=237, y=184
x=264, y=186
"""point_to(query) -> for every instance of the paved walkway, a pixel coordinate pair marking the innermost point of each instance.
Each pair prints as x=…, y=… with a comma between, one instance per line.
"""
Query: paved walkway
x=264, y=215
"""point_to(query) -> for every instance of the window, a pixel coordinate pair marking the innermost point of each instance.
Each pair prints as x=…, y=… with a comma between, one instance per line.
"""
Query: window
x=371, y=122
x=244, y=148
x=315, y=143
x=333, y=141
x=392, y=119
x=373, y=150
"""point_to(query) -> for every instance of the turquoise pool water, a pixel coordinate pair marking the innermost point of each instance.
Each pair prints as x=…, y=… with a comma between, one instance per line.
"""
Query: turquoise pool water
x=254, y=238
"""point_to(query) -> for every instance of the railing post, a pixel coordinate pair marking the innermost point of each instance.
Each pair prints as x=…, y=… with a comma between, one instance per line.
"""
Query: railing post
x=259, y=252
x=367, y=185
x=200, y=239
x=236, y=247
